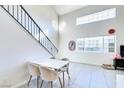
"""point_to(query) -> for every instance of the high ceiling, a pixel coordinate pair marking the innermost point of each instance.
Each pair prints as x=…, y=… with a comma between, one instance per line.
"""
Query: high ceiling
x=64, y=9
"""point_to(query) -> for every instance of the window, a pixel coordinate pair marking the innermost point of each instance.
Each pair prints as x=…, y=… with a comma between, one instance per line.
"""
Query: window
x=80, y=44
x=97, y=44
x=109, y=43
x=104, y=15
x=93, y=44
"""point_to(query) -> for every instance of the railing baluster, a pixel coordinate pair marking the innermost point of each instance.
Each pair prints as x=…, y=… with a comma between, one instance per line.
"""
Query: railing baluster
x=8, y=8
x=36, y=33
x=13, y=10
x=45, y=41
x=46, y=44
x=31, y=26
x=28, y=22
x=21, y=16
x=25, y=20
x=42, y=38
x=39, y=34
x=34, y=30
x=17, y=14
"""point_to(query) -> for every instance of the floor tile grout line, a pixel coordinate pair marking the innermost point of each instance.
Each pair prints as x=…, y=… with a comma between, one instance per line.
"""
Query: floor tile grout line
x=90, y=79
x=105, y=79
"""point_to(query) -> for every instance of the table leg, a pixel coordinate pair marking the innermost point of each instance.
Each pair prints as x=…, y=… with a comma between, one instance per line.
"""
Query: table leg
x=60, y=82
x=63, y=80
x=29, y=80
x=41, y=83
x=38, y=77
x=51, y=84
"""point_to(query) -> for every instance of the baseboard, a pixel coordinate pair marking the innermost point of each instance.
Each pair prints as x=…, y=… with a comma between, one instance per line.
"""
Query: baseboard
x=19, y=84
x=85, y=63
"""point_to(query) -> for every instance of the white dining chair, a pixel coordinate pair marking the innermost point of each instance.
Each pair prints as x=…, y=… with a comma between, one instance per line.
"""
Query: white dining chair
x=49, y=75
x=34, y=71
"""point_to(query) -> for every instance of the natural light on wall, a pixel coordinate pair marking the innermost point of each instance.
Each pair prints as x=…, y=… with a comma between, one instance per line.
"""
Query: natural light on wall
x=103, y=15
x=62, y=25
x=55, y=25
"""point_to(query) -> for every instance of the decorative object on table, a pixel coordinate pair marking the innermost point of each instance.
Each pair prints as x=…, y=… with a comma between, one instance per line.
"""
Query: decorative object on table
x=116, y=56
x=72, y=45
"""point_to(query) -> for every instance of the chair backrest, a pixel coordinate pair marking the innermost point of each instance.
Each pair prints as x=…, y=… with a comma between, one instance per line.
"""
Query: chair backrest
x=48, y=74
x=33, y=69
x=52, y=58
x=65, y=59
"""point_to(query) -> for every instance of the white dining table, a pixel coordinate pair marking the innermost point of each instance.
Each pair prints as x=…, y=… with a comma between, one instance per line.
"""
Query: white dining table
x=55, y=64
x=52, y=63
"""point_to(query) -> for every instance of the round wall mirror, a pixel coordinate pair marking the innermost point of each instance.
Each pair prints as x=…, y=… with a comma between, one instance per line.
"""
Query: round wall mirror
x=72, y=45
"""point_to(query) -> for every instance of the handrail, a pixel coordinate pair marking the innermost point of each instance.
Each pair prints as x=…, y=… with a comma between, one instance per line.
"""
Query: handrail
x=37, y=25
x=27, y=22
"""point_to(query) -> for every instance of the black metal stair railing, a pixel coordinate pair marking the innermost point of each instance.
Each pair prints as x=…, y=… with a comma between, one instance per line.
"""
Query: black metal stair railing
x=27, y=22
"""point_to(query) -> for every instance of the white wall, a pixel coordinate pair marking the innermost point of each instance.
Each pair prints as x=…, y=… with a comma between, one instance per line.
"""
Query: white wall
x=17, y=47
x=70, y=31
x=46, y=18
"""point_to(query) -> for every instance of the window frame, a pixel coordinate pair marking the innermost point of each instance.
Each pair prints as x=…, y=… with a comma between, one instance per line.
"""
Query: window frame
x=96, y=17
x=103, y=46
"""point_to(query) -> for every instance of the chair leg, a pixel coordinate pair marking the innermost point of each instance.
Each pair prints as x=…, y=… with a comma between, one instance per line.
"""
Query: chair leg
x=29, y=80
x=60, y=82
x=38, y=77
x=63, y=80
x=41, y=83
x=68, y=73
x=51, y=84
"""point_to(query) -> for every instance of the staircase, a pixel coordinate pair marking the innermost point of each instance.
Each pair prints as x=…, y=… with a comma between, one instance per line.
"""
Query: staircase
x=21, y=16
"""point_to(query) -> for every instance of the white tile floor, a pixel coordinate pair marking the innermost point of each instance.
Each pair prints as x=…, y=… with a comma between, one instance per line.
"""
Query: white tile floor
x=86, y=76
